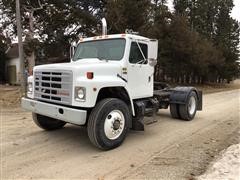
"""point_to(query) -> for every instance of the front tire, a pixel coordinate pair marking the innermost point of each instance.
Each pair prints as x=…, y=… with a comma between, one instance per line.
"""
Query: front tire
x=108, y=123
x=47, y=123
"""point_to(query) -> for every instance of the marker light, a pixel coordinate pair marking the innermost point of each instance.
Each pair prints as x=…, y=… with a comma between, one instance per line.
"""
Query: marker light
x=90, y=75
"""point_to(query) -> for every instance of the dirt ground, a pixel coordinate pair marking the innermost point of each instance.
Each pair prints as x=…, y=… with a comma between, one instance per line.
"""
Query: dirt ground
x=167, y=149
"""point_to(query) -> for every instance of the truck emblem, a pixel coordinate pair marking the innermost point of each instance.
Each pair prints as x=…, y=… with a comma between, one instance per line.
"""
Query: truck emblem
x=63, y=93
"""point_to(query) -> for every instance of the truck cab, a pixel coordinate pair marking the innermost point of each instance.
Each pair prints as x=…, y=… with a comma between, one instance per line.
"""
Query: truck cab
x=108, y=86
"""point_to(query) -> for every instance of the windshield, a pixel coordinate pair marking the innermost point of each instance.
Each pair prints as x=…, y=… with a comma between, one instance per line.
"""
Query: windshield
x=107, y=49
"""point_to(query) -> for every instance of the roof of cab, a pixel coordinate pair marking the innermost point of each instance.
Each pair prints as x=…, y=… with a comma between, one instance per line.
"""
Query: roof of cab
x=112, y=36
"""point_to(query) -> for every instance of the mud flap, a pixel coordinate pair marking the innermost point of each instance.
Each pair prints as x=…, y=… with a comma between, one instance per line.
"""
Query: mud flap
x=199, y=94
x=137, y=120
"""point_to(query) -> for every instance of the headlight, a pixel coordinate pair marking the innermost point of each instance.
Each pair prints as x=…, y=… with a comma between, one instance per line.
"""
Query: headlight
x=30, y=87
x=80, y=93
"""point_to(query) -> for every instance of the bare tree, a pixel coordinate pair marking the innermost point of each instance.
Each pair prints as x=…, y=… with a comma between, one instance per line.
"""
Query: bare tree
x=31, y=10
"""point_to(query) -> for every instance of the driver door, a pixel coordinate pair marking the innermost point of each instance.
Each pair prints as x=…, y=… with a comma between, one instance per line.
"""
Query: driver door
x=140, y=73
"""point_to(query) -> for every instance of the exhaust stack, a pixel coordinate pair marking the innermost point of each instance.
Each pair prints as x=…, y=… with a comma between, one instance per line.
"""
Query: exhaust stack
x=104, y=26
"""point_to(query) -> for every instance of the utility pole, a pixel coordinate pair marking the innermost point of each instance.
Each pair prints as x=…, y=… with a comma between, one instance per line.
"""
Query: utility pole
x=20, y=49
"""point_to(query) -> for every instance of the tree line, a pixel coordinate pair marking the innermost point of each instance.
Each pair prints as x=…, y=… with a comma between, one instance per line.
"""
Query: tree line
x=198, y=40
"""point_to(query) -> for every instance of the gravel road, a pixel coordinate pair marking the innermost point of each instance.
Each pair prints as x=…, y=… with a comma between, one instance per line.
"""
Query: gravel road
x=167, y=149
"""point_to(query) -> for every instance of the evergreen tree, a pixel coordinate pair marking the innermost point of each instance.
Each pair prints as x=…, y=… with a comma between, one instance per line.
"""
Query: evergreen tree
x=212, y=20
x=227, y=39
x=125, y=14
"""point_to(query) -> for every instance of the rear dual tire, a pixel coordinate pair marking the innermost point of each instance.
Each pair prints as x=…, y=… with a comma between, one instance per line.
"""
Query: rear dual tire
x=185, y=111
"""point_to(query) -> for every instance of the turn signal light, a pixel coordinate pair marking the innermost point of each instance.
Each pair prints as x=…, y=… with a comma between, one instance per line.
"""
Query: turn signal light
x=90, y=75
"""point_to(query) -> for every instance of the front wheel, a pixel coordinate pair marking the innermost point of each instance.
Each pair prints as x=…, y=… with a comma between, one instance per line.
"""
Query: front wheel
x=47, y=123
x=108, y=123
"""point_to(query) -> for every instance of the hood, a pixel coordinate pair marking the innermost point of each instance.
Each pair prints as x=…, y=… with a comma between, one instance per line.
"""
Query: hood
x=84, y=65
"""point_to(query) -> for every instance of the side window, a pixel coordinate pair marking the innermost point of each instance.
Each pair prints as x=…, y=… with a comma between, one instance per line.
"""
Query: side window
x=135, y=53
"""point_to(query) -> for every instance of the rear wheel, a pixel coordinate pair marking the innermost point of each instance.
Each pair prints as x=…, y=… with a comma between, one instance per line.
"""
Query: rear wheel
x=108, y=123
x=47, y=123
x=187, y=111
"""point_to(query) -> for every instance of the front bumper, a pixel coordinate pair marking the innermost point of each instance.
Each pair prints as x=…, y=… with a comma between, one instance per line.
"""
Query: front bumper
x=70, y=115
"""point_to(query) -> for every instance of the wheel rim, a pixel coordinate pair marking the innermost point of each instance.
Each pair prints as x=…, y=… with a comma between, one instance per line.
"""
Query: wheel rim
x=114, y=124
x=192, y=105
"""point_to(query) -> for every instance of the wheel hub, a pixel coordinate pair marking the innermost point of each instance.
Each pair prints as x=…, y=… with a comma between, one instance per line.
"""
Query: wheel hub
x=114, y=124
x=192, y=105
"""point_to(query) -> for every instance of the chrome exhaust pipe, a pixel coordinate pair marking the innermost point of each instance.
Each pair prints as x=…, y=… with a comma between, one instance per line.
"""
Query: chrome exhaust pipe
x=104, y=26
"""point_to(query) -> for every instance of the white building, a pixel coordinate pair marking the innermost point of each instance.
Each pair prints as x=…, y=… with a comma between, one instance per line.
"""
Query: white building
x=13, y=65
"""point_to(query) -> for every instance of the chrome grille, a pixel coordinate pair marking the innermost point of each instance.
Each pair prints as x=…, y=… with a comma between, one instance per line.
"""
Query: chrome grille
x=53, y=86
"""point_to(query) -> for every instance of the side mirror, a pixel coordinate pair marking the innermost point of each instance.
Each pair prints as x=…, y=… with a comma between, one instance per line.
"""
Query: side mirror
x=152, y=52
x=152, y=62
x=72, y=49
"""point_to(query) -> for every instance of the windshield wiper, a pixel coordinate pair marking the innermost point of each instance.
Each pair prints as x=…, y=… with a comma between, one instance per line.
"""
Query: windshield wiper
x=100, y=59
x=77, y=59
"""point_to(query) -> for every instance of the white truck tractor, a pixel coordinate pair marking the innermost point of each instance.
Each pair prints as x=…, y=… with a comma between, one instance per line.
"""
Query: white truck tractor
x=108, y=87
